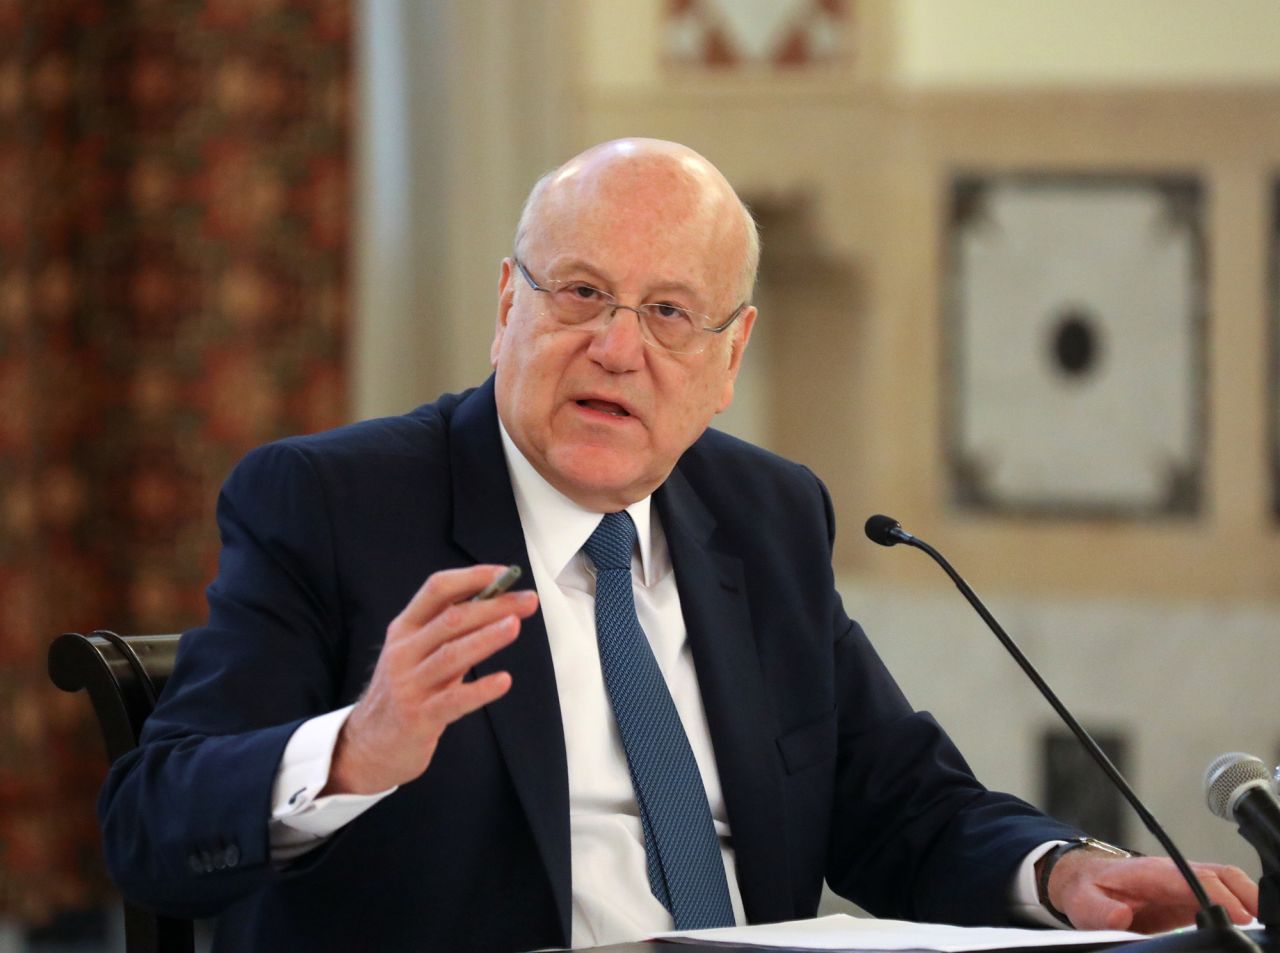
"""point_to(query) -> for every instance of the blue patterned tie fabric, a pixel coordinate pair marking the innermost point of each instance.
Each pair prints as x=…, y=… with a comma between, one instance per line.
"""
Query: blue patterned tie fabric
x=686, y=872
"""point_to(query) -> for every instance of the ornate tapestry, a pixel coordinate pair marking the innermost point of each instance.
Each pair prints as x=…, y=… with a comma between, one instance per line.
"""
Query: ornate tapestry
x=173, y=291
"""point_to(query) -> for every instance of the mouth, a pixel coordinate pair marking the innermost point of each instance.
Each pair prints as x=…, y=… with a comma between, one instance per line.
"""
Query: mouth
x=603, y=407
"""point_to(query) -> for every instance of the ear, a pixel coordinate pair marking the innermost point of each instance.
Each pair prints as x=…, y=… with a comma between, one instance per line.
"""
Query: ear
x=741, y=332
x=506, y=294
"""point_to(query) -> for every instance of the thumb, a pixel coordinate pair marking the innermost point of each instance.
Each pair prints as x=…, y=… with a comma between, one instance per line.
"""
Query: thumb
x=1090, y=908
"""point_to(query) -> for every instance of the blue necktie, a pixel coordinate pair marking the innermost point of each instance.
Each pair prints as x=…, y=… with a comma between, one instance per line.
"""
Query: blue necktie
x=686, y=872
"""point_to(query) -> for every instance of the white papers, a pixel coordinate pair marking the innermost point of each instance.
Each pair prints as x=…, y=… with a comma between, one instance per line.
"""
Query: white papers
x=843, y=932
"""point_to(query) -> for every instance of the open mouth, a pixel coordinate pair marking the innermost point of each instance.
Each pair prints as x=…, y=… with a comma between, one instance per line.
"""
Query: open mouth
x=604, y=407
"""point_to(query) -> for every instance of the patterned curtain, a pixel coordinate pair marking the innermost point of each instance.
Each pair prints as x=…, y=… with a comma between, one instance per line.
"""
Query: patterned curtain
x=173, y=291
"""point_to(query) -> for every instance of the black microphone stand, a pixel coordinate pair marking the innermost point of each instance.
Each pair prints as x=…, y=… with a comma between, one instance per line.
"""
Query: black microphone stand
x=1260, y=835
x=1269, y=908
x=1215, y=932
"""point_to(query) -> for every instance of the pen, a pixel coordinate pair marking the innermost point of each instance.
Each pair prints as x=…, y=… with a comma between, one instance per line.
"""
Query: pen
x=499, y=585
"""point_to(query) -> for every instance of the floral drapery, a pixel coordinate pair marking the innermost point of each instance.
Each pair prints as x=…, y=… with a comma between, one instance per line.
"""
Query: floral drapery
x=173, y=291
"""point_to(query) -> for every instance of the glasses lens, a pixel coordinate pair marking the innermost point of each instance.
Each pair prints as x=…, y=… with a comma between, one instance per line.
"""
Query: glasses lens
x=673, y=328
x=578, y=302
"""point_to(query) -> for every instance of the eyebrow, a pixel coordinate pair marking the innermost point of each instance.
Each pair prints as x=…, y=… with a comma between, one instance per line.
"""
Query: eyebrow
x=581, y=264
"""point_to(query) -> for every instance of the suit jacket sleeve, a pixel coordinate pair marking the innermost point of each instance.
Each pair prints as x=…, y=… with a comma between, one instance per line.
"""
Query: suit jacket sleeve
x=184, y=816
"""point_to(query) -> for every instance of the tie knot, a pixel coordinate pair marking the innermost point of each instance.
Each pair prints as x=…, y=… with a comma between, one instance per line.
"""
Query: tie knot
x=612, y=543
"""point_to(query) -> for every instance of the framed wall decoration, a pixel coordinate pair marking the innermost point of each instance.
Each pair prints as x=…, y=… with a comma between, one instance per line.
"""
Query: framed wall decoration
x=756, y=34
x=1074, y=326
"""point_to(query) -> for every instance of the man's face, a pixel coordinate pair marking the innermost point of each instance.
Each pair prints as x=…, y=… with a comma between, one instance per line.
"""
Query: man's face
x=602, y=415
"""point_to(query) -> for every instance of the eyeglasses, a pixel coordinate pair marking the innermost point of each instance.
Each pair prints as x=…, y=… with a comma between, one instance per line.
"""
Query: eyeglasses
x=585, y=307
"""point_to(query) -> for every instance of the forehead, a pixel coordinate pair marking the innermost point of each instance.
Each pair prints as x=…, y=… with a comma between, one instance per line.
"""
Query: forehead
x=659, y=222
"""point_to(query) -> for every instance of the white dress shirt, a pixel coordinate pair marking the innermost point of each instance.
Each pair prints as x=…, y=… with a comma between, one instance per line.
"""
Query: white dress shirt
x=612, y=901
x=611, y=898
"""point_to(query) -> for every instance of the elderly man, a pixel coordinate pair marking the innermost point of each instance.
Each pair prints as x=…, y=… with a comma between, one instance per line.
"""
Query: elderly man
x=670, y=720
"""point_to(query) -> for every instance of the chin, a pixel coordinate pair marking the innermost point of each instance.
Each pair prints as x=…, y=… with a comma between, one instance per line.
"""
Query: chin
x=595, y=477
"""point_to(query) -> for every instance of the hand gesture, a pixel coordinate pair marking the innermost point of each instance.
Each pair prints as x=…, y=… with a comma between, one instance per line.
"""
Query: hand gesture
x=417, y=689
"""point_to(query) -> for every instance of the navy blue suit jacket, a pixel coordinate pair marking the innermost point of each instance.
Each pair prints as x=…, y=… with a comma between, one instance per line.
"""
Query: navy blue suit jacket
x=826, y=769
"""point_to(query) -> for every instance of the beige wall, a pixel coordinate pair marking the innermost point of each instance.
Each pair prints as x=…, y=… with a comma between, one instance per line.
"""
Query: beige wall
x=1093, y=43
x=460, y=107
x=849, y=170
x=1011, y=43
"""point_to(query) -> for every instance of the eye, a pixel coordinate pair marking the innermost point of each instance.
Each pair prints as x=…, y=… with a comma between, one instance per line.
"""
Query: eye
x=669, y=312
x=580, y=291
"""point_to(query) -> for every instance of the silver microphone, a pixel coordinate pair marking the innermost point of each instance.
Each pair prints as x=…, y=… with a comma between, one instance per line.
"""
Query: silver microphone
x=1229, y=777
x=1239, y=787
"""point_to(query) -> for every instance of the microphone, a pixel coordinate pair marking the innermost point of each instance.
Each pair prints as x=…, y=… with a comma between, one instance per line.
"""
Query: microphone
x=1215, y=929
x=1238, y=787
x=886, y=531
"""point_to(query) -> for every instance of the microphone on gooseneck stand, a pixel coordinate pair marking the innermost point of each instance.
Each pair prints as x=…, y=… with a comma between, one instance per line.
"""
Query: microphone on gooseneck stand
x=1238, y=787
x=1215, y=931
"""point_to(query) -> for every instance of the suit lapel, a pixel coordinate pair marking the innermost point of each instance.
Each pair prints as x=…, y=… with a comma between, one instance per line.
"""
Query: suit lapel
x=713, y=598
x=527, y=721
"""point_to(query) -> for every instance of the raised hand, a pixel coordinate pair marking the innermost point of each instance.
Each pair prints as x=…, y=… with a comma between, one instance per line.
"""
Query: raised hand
x=417, y=689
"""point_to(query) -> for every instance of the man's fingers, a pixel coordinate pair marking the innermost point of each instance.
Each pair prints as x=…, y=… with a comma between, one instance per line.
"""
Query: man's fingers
x=1239, y=883
x=407, y=647
x=1155, y=879
x=450, y=661
x=442, y=589
x=1117, y=916
x=1090, y=908
x=417, y=688
x=1147, y=894
x=1158, y=882
x=461, y=621
x=1241, y=904
x=1161, y=900
x=462, y=698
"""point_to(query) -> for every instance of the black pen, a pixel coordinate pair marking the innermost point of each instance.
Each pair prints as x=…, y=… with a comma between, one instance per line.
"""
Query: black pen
x=499, y=585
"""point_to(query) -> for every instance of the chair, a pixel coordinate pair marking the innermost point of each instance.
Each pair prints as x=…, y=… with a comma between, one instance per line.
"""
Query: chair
x=124, y=675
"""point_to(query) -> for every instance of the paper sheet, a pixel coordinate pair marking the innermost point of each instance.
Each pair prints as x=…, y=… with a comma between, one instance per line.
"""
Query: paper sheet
x=843, y=932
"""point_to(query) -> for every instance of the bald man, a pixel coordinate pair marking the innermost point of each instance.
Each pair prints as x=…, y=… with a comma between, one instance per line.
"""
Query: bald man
x=355, y=753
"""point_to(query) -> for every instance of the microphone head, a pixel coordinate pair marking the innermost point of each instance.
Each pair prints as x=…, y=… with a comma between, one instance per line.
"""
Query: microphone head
x=1230, y=775
x=880, y=529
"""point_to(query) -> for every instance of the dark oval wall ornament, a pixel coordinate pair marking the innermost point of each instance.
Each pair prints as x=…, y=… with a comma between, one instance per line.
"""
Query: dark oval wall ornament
x=1076, y=344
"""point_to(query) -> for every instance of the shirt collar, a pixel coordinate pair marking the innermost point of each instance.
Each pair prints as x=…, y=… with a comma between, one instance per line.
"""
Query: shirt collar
x=557, y=526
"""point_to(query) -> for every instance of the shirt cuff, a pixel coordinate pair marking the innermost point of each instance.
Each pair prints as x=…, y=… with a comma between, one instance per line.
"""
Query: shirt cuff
x=301, y=820
x=1024, y=895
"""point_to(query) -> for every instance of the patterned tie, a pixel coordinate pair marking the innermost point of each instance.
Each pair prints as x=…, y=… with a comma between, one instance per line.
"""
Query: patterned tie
x=686, y=872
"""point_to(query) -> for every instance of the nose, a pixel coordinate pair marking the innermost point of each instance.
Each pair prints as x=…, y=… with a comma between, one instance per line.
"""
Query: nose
x=619, y=345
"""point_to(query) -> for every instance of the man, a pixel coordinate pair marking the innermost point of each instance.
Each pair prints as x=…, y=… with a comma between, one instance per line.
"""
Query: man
x=354, y=754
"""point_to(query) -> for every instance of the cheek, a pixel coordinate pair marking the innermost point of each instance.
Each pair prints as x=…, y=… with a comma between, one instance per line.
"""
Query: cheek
x=517, y=350
x=695, y=401
x=706, y=388
x=532, y=365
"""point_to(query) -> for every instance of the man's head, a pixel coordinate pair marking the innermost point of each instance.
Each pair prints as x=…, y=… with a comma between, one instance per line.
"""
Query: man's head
x=603, y=415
